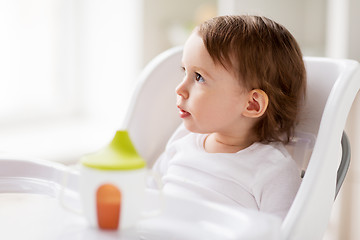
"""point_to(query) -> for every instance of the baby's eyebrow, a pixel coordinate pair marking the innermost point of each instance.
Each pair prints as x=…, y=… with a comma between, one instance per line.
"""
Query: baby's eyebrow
x=197, y=69
x=202, y=71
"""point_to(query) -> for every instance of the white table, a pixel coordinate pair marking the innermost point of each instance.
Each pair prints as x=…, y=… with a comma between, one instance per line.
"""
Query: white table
x=30, y=209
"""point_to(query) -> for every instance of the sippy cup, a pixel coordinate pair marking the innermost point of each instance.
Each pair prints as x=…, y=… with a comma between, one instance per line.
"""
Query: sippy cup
x=112, y=184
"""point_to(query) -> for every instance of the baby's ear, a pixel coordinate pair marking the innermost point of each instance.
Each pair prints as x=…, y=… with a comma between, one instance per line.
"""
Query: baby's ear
x=257, y=104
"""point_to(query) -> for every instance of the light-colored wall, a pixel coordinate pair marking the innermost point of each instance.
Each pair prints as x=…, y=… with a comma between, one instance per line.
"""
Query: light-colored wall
x=354, y=30
x=304, y=19
x=168, y=23
x=343, y=32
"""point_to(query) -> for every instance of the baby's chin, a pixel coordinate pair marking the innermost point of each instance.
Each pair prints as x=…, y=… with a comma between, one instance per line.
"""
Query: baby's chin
x=195, y=129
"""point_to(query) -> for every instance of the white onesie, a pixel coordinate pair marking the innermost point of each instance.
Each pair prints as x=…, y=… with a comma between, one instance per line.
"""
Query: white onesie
x=262, y=176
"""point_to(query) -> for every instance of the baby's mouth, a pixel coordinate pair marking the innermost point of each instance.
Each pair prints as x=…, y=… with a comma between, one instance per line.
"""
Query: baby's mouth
x=183, y=113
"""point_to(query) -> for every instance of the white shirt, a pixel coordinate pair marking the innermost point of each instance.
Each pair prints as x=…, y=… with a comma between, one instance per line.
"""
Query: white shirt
x=262, y=176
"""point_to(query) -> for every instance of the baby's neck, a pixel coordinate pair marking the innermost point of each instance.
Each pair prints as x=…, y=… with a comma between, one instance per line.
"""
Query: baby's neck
x=216, y=143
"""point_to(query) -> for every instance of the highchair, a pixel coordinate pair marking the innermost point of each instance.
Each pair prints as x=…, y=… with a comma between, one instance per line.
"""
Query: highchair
x=320, y=148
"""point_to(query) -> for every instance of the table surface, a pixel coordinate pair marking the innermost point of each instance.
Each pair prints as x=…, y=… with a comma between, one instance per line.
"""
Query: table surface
x=30, y=209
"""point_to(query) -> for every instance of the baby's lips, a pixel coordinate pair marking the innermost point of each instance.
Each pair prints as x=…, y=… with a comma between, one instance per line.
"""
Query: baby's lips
x=183, y=113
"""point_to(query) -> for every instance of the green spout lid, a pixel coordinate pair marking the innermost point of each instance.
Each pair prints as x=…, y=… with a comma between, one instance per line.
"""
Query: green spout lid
x=120, y=154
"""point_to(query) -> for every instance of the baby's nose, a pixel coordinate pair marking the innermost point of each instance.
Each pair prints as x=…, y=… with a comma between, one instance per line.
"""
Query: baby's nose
x=181, y=90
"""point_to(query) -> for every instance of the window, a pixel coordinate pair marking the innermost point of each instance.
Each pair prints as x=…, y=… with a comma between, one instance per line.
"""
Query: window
x=63, y=60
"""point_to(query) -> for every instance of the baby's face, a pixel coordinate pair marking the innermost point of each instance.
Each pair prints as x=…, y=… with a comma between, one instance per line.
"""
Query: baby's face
x=210, y=98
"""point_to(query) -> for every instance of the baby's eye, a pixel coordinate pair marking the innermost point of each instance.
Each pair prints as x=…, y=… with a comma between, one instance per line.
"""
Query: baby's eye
x=199, y=78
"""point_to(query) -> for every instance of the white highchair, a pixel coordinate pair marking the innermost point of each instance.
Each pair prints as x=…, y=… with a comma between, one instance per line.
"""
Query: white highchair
x=321, y=149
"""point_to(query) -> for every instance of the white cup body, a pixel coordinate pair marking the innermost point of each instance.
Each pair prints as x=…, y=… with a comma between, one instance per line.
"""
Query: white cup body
x=131, y=184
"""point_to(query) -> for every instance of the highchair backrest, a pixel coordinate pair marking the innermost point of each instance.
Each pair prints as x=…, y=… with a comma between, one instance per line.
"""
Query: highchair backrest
x=331, y=88
x=152, y=115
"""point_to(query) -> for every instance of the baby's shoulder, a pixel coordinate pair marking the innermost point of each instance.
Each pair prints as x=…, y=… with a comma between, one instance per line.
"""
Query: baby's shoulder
x=274, y=160
x=272, y=156
x=268, y=152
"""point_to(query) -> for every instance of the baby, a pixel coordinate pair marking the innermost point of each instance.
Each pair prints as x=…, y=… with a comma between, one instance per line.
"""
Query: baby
x=244, y=82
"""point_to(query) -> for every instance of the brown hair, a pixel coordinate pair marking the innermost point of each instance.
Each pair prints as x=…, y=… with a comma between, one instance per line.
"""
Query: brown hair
x=266, y=56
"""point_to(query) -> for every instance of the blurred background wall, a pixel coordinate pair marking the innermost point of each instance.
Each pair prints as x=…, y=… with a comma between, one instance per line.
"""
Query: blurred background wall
x=68, y=68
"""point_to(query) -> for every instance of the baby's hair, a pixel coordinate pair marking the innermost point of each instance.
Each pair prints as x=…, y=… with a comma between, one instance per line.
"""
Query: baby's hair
x=264, y=55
